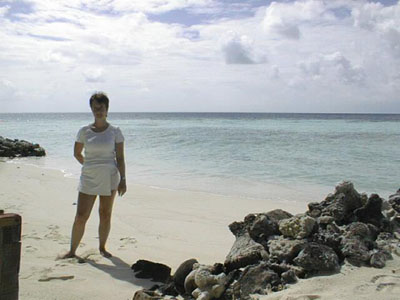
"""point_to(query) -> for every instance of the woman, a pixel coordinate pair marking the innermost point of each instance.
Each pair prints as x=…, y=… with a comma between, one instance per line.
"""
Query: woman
x=103, y=172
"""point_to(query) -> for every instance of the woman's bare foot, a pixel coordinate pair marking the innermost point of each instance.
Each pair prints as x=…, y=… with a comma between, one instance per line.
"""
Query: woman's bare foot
x=105, y=253
x=69, y=254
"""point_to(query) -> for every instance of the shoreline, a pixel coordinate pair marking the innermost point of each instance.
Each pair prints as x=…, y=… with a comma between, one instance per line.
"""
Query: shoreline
x=301, y=193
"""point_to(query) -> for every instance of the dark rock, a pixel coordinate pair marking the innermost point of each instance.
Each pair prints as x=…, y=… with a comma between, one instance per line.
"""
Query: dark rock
x=355, y=251
x=365, y=232
x=289, y=277
x=379, y=258
x=151, y=270
x=329, y=238
x=244, y=252
x=257, y=280
x=217, y=268
x=169, y=289
x=315, y=257
x=232, y=290
x=277, y=215
x=371, y=212
x=260, y=227
x=284, y=250
x=180, y=274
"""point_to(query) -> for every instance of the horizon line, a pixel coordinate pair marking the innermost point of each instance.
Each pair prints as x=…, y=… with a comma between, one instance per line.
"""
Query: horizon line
x=206, y=112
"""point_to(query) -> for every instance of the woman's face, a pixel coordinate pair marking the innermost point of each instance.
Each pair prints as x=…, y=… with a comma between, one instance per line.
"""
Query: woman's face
x=99, y=110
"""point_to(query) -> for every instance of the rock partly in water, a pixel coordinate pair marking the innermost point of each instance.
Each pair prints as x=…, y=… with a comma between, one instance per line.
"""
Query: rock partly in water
x=19, y=148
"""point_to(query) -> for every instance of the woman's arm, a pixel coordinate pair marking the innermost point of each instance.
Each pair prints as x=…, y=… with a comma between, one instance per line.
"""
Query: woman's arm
x=119, y=149
x=78, y=147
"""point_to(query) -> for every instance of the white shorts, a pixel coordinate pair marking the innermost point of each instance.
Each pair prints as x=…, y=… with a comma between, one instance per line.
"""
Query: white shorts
x=99, y=180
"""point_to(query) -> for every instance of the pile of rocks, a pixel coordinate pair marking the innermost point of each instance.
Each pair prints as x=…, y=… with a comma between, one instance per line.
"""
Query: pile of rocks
x=19, y=148
x=274, y=249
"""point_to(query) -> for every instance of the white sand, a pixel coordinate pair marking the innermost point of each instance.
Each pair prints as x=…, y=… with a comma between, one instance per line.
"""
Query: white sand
x=160, y=225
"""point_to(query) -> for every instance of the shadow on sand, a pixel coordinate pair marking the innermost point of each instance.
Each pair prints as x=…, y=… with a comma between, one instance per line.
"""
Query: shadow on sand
x=122, y=271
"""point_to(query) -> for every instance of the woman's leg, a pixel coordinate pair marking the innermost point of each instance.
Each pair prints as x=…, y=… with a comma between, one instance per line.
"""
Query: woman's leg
x=85, y=205
x=105, y=210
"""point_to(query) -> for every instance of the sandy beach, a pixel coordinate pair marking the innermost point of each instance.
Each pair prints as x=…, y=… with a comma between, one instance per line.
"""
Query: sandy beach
x=160, y=225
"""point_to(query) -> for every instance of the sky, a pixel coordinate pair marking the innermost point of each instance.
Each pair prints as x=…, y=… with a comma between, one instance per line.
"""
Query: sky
x=318, y=56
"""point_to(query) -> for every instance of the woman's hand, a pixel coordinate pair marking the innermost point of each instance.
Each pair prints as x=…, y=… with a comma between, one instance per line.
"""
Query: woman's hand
x=122, y=187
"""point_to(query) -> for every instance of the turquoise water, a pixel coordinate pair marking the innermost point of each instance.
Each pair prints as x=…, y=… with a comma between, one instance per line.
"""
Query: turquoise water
x=230, y=152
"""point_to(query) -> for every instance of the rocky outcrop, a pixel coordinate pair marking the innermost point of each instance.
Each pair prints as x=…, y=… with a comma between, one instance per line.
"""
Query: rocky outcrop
x=275, y=248
x=19, y=148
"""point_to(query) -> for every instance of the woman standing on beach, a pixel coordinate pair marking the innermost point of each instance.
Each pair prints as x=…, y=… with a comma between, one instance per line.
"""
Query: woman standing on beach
x=103, y=172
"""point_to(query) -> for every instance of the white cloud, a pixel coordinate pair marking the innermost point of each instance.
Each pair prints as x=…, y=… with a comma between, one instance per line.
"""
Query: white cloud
x=94, y=75
x=385, y=20
x=284, y=18
x=332, y=67
x=4, y=10
x=8, y=91
x=240, y=50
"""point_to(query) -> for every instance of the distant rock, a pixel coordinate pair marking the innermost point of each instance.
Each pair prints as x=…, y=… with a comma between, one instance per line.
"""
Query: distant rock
x=19, y=148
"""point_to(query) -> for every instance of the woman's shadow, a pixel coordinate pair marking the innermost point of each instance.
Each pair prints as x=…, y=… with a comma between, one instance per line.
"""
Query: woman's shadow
x=121, y=271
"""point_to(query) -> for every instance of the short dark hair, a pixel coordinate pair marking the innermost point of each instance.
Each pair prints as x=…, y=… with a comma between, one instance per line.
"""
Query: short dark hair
x=99, y=97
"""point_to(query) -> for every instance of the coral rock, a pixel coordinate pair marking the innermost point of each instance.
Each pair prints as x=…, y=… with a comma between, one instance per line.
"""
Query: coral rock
x=207, y=286
x=297, y=227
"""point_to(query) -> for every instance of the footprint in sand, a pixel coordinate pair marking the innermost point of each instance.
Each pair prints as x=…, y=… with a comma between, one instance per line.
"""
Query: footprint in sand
x=30, y=249
x=301, y=297
x=56, y=236
x=387, y=283
x=32, y=235
x=64, y=277
x=126, y=242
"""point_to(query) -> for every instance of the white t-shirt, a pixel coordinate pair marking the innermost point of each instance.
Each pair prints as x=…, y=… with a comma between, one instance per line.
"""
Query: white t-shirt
x=99, y=147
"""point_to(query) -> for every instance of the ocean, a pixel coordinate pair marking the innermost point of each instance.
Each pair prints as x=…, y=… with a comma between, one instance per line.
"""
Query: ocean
x=242, y=154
